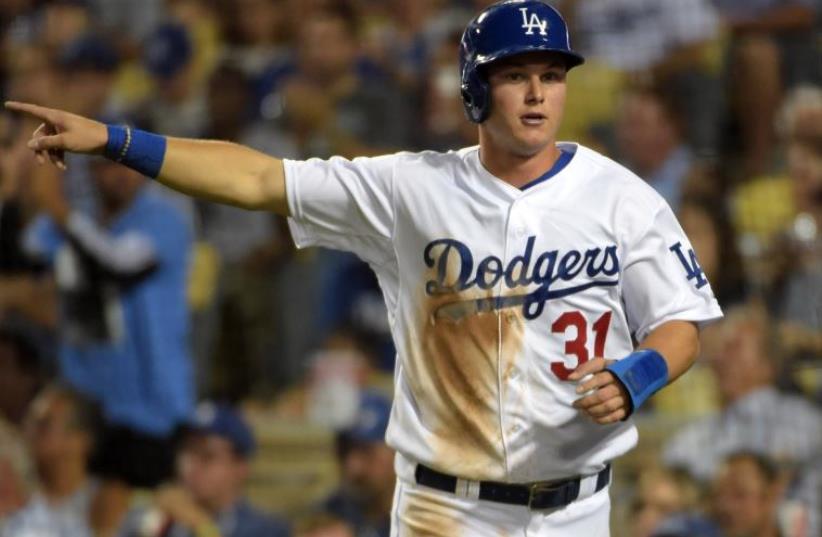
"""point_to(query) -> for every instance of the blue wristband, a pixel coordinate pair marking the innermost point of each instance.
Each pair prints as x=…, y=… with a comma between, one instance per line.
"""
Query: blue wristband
x=139, y=150
x=116, y=141
x=642, y=373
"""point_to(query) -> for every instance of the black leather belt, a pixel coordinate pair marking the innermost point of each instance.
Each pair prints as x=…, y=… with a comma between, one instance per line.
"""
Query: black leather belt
x=541, y=495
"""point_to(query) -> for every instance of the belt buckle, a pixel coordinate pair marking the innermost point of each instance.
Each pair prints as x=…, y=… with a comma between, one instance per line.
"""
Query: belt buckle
x=542, y=487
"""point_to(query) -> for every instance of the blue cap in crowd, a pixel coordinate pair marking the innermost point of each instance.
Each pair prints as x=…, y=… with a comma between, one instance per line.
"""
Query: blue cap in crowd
x=371, y=421
x=222, y=420
x=168, y=50
x=687, y=526
x=89, y=52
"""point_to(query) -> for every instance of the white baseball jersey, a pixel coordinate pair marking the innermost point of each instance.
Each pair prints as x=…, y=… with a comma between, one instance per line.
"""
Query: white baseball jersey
x=496, y=294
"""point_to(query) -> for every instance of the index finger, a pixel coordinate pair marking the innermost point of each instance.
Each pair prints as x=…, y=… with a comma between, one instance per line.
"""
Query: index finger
x=591, y=366
x=40, y=112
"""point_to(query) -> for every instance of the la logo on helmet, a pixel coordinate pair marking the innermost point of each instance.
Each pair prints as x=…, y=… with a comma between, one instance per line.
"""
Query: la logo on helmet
x=533, y=22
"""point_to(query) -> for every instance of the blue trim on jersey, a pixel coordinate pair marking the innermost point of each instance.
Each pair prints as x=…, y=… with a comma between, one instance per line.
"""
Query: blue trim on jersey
x=563, y=160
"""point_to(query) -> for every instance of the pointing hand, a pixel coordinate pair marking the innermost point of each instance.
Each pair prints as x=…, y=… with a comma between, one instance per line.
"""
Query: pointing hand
x=60, y=132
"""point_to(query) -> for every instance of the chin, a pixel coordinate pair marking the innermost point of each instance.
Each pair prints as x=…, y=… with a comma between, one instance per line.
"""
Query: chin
x=530, y=147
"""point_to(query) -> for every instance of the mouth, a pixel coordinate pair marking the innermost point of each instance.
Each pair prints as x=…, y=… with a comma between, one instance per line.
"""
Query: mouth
x=533, y=119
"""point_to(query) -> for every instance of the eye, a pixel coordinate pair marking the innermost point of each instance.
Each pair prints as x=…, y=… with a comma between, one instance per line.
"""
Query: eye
x=553, y=76
x=514, y=76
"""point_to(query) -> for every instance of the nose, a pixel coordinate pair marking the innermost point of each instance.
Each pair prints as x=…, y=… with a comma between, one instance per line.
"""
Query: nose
x=534, y=95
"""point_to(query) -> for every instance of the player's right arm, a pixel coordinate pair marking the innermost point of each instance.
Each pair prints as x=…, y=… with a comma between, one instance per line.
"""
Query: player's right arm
x=219, y=171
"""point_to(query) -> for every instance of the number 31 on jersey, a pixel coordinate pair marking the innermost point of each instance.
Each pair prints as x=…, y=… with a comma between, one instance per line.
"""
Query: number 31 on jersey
x=578, y=346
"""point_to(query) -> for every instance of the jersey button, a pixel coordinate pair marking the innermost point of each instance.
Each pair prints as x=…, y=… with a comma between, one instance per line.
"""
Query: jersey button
x=510, y=317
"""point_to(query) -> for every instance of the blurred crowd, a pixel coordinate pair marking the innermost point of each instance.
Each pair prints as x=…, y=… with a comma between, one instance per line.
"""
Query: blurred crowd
x=146, y=339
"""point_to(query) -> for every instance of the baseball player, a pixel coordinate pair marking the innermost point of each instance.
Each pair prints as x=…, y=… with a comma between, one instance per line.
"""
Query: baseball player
x=518, y=276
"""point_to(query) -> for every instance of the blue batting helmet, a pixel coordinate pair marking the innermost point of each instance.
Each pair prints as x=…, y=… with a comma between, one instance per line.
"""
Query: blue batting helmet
x=504, y=29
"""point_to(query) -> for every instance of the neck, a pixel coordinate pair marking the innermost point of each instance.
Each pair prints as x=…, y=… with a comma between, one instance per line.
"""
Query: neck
x=515, y=169
x=62, y=479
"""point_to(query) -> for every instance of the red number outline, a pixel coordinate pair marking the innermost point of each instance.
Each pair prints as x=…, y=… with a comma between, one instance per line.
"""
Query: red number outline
x=578, y=345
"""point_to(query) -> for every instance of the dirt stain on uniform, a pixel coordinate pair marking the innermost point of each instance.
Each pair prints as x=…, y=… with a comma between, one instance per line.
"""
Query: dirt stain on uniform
x=425, y=516
x=463, y=346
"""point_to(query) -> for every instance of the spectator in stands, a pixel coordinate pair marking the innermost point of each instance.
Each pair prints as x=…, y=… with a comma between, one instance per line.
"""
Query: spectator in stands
x=323, y=525
x=660, y=493
x=213, y=466
x=248, y=243
x=335, y=375
x=649, y=143
x=746, y=496
x=799, y=288
x=366, y=493
x=128, y=22
x=15, y=206
x=254, y=31
x=354, y=303
x=687, y=526
x=59, y=22
x=666, y=41
x=124, y=322
x=402, y=40
x=444, y=123
x=60, y=431
x=23, y=293
x=704, y=221
x=754, y=415
x=773, y=47
x=178, y=107
x=329, y=106
x=21, y=377
x=87, y=70
x=88, y=67
x=22, y=371
x=30, y=73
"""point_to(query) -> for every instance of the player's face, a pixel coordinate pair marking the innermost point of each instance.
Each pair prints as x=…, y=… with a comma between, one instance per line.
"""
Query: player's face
x=527, y=102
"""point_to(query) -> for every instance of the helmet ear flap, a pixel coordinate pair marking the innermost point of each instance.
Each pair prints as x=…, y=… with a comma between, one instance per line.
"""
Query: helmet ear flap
x=475, y=96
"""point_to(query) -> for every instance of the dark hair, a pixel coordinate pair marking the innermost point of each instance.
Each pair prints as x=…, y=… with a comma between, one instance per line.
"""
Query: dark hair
x=767, y=467
x=26, y=355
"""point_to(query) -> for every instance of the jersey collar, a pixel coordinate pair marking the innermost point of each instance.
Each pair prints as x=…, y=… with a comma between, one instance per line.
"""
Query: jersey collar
x=493, y=183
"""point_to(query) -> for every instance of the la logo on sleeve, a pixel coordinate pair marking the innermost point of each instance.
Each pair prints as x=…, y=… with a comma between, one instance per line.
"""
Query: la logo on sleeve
x=691, y=265
x=533, y=23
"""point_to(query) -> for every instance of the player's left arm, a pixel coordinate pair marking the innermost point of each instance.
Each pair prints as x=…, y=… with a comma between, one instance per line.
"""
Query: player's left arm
x=608, y=399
